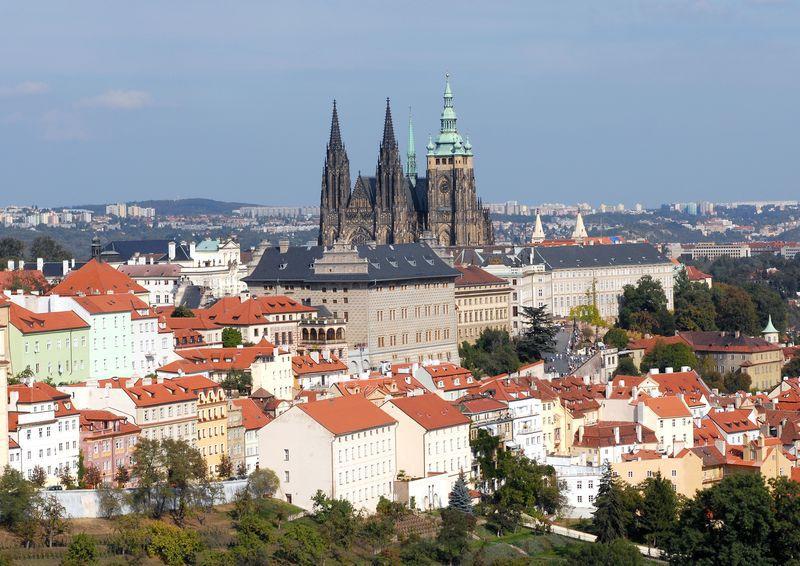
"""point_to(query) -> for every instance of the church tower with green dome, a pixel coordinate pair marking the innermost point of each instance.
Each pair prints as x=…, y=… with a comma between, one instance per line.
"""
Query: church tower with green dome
x=397, y=205
x=455, y=214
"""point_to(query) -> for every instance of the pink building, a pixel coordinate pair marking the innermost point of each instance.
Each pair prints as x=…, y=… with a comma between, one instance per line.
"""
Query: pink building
x=107, y=442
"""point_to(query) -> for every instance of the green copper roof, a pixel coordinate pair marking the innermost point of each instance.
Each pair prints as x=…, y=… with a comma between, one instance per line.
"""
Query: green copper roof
x=411, y=155
x=770, y=329
x=449, y=141
x=207, y=246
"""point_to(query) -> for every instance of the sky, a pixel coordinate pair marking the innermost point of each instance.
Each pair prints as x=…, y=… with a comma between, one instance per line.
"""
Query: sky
x=610, y=101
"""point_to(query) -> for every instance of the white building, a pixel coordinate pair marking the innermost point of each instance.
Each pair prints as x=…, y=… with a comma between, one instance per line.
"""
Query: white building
x=253, y=420
x=343, y=446
x=160, y=279
x=736, y=426
x=273, y=372
x=44, y=423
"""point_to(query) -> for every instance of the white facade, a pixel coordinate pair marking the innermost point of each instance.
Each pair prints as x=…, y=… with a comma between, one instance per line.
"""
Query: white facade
x=307, y=457
x=274, y=373
x=580, y=482
x=526, y=426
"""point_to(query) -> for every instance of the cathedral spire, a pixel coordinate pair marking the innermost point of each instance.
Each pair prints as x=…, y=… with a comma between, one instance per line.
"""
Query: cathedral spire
x=411, y=155
x=336, y=135
x=388, y=128
x=448, y=119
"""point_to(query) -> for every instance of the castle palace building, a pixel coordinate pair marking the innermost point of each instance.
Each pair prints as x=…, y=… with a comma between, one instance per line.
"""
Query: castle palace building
x=396, y=206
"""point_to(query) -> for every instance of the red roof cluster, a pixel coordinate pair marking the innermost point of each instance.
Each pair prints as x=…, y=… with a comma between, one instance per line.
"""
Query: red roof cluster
x=346, y=415
x=29, y=322
x=430, y=411
x=96, y=278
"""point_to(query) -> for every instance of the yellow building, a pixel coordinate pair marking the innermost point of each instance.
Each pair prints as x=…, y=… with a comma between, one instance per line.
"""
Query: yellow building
x=685, y=472
x=212, y=418
x=482, y=302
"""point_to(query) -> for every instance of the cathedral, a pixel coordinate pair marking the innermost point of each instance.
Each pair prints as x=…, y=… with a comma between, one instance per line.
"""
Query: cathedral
x=398, y=206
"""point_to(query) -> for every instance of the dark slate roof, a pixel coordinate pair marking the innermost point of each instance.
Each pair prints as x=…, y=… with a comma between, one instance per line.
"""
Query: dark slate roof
x=568, y=257
x=54, y=269
x=192, y=296
x=385, y=263
x=123, y=250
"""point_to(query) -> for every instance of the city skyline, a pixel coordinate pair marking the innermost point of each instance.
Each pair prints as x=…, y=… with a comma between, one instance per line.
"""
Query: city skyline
x=623, y=104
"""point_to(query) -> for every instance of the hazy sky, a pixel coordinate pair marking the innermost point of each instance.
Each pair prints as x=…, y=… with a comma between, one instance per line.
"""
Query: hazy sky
x=651, y=101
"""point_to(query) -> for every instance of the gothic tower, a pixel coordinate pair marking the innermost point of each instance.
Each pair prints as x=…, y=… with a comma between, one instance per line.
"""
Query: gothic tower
x=456, y=216
x=335, y=185
x=395, y=216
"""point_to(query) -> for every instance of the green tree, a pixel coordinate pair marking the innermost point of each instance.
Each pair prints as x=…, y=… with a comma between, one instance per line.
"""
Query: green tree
x=81, y=551
x=768, y=303
x=231, y=337
x=18, y=497
x=792, y=367
x=225, y=467
x=10, y=249
x=486, y=449
x=694, y=305
x=786, y=535
x=301, y=544
x=174, y=546
x=728, y=523
x=616, y=338
x=611, y=515
x=238, y=380
x=454, y=535
x=262, y=482
x=53, y=518
x=665, y=355
x=38, y=476
x=336, y=517
x=459, y=498
x=492, y=354
x=734, y=381
x=110, y=501
x=735, y=309
x=182, y=311
x=186, y=473
x=626, y=366
x=67, y=479
x=122, y=476
x=707, y=368
x=659, y=511
x=538, y=334
x=643, y=308
x=92, y=477
x=48, y=249
x=616, y=553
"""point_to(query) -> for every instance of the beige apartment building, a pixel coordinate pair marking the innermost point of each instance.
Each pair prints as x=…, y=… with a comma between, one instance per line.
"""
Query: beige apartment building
x=398, y=300
x=761, y=360
x=482, y=302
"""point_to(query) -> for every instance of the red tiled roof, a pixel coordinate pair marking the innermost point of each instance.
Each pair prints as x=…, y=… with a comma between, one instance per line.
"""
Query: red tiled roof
x=253, y=418
x=396, y=385
x=38, y=392
x=601, y=435
x=90, y=418
x=695, y=274
x=304, y=365
x=194, y=383
x=667, y=407
x=473, y=276
x=733, y=421
x=724, y=342
x=99, y=304
x=29, y=322
x=470, y=405
x=232, y=311
x=448, y=373
x=195, y=360
x=647, y=344
x=345, y=415
x=28, y=279
x=430, y=411
x=706, y=433
x=95, y=278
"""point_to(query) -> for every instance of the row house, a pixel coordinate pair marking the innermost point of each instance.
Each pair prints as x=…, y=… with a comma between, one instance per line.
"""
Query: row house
x=735, y=426
x=253, y=420
x=108, y=442
x=670, y=419
x=448, y=380
x=685, y=383
x=275, y=318
x=44, y=423
x=311, y=371
x=53, y=345
x=196, y=331
x=379, y=389
x=216, y=363
x=161, y=280
x=212, y=421
x=432, y=448
x=609, y=441
x=343, y=446
x=483, y=302
x=487, y=414
x=161, y=408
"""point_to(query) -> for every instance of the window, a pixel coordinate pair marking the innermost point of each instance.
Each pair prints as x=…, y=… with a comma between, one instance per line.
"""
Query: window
x=286, y=456
x=286, y=476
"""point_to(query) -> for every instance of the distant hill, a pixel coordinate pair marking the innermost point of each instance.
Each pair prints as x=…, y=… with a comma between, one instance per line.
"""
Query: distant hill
x=180, y=207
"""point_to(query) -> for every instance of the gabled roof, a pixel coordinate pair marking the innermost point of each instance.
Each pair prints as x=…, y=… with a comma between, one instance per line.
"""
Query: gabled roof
x=695, y=274
x=647, y=344
x=667, y=407
x=396, y=385
x=123, y=250
x=253, y=418
x=37, y=392
x=196, y=360
x=451, y=376
x=305, y=365
x=115, y=303
x=474, y=276
x=430, y=411
x=151, y=270
x=731, y=422
x=602, y=435
x=96, y=278
x=29, y=322
x=346, y=415
x=232, y=311
x=708, y=341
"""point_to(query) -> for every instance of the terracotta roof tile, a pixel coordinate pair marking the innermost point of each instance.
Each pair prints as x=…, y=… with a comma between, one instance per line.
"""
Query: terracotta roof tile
x=29, y=322
x=96, y=278
x=430, y=411
x=253, y=418
x=346, y=415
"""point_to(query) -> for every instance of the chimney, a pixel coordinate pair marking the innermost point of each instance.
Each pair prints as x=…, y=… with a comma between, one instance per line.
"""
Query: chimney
x=171, y=251
x=11, y=265
x=653, y=371
x=283, y=246
x=737, y=334
x=580, y=434
x=72, y=263
x=314, y=356
x=719, y=444
x=192, y=249
x=634, y=393
x=668, y=369
x=608, y=390
x=616, y=435
x=638, y=433
x=684, y=369
x=64, y=267
x=39, y=263
x=21, y=264
x=13, y=397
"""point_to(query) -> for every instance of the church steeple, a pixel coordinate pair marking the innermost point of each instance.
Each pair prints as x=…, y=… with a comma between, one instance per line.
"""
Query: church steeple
x=388, y=129
x=448, y=119
x=411, y=155
x=335, y=141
